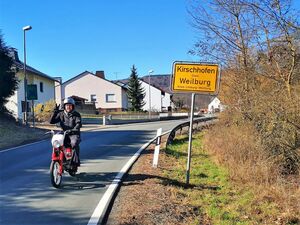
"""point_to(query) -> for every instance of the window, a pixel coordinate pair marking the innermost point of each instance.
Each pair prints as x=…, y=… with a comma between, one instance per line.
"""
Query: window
x=110, y=98
x=93, y=98
x=41, y=87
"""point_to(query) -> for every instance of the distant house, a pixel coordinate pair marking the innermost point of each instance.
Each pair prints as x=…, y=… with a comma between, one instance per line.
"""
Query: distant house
x=215, y=106
x=45, y=88
x=106, y=95
x=166, y=101
x=160, y=99
x=155, y=102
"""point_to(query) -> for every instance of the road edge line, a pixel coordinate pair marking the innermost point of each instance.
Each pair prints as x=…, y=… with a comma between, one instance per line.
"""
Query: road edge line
x=100, y=211
x=20, y=146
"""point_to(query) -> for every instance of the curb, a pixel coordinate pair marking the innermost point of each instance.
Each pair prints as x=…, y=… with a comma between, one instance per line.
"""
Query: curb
x=101, y=211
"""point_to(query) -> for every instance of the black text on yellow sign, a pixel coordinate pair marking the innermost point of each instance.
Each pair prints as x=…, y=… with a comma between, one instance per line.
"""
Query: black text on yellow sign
x=195, y=77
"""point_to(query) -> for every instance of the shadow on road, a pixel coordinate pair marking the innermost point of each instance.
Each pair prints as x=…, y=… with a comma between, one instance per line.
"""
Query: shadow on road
x=87, y=181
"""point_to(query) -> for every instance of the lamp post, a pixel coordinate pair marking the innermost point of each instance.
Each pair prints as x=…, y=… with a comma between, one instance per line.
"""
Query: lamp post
x=25, y=76
x=149, y=73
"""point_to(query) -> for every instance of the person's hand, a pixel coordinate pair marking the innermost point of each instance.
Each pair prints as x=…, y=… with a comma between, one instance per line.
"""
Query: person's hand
x=56, y=109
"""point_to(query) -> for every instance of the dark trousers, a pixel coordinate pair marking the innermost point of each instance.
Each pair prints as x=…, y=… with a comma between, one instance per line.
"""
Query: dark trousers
x=73, y=142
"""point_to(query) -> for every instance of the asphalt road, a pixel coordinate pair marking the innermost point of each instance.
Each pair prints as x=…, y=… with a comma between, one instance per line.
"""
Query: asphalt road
x=26, y=194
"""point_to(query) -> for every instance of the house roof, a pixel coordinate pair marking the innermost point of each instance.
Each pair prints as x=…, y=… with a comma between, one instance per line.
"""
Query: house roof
x=77, y=76
x=13, y=53
x=125, y=82
x=160, y=80
x=20, y=65
x=122, y=84
x=87, y=72
x=145, y=79
x=75, y=97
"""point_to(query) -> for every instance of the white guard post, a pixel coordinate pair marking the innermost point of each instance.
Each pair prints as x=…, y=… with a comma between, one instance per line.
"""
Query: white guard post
x=104, y=120
x=157, y=146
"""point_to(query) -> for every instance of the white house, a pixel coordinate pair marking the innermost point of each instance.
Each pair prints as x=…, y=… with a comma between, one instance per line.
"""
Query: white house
x=45, y=88
x=166, y=101
x=107, y=96
x=155, y=102
x=160, y=100
x=215, y=106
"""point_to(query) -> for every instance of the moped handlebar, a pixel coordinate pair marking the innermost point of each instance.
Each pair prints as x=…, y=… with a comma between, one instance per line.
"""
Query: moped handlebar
x=50, y=132
x=64, y=133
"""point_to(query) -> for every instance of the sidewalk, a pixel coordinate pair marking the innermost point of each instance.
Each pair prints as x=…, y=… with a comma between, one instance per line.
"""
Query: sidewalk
x=85, y=127
x=19, y=136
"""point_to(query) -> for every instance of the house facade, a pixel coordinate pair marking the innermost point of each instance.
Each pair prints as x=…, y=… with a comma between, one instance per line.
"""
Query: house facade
x=107, y=96
x=45, y=88
x=215, y=106
x=160, y=99
x=155, y=102
x=166, y=101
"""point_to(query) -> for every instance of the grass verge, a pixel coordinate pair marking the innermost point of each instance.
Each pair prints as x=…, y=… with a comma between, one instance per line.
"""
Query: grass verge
x=12, y=134
x=213, y=192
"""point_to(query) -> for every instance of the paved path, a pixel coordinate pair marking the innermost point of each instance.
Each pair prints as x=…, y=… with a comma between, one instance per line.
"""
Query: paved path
x=26, y=195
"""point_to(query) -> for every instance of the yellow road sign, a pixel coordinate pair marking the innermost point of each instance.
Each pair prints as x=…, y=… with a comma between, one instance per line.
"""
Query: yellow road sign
x=195, y=77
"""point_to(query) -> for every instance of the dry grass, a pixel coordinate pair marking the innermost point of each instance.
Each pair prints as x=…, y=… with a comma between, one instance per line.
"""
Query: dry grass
x=239, y=149
x=12, y=134
x=146, y=198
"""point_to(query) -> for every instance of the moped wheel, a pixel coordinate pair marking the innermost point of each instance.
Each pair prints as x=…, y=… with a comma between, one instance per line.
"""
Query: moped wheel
x=56, y=177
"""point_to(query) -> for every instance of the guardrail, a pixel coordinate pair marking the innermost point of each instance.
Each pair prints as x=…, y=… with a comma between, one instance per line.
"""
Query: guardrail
x=187, y=124
x=103, y=208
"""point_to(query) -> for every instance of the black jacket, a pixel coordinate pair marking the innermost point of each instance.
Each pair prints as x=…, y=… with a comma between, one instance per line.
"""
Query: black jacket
x=67, y=121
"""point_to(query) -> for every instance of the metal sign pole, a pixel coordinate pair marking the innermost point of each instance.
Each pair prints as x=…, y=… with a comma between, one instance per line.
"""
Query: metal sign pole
x=190, y=140
x=33, y=114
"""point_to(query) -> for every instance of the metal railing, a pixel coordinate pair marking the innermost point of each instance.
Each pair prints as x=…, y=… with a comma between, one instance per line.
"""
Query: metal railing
x=196, y=124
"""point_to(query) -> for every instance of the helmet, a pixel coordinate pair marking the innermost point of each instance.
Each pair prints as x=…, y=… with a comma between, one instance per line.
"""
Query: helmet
x=69, y=100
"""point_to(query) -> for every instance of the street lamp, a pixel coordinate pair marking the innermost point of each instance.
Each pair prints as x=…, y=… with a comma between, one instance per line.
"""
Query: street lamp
x=25, y=77
x=150, y=72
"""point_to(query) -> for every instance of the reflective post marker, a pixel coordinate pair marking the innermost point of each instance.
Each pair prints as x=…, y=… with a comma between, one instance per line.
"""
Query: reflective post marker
x=104, y=120
x=157, y=146
x=190, y=141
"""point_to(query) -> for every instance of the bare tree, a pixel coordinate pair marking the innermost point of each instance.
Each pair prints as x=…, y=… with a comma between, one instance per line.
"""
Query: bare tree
x=257, y=41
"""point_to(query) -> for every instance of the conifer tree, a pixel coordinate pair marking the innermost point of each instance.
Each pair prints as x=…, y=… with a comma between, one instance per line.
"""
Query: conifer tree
x=135, y=92
x=8, y=80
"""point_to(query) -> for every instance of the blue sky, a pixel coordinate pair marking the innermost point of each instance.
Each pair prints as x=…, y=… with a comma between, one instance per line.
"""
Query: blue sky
x=71, y=36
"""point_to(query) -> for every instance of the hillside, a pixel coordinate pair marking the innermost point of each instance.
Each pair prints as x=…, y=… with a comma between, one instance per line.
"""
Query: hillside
x=181, y=100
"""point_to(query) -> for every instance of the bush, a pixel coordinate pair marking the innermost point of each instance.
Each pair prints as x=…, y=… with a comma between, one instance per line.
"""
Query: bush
x=44, y=111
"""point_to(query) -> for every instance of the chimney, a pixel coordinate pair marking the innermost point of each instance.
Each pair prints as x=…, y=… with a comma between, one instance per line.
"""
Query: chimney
x=100, y=74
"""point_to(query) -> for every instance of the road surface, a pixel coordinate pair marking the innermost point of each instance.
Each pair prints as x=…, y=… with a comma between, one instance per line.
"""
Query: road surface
x=26, y=194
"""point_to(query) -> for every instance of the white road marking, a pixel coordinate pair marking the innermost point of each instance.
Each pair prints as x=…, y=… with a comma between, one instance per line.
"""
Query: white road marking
x=102, y=206
x=21, y=146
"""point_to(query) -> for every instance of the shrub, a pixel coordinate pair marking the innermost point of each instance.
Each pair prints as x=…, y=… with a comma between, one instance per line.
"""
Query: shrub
x=44, y=111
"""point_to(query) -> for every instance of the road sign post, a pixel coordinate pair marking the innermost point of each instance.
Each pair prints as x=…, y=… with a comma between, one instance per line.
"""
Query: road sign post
x=192, y=77
x=188, y=167
x=32, y=95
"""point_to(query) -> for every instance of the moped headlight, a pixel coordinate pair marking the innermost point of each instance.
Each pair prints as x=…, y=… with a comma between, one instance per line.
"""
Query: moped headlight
x=56, y=144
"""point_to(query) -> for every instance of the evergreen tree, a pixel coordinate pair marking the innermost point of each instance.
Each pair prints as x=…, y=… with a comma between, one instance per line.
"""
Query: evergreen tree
x=135, y=92
x=8, y=79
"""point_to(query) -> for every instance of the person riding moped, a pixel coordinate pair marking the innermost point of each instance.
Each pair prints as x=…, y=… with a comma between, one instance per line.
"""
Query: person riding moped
x=70, y=121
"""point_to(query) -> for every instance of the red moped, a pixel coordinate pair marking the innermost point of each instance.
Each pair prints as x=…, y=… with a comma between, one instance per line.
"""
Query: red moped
x=62, y=158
